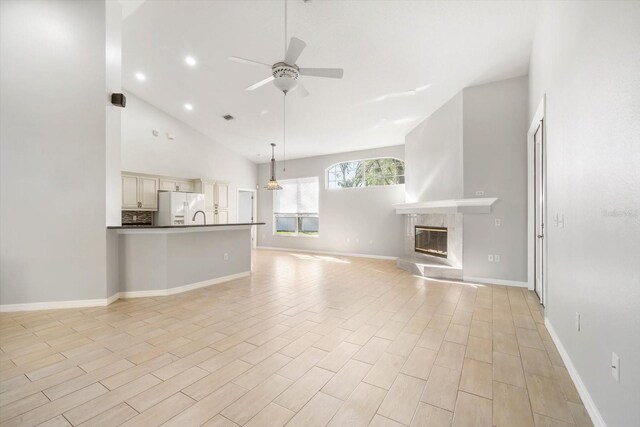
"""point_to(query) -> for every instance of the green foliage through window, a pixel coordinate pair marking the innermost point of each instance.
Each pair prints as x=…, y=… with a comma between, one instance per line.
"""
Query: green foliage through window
x=365, y=173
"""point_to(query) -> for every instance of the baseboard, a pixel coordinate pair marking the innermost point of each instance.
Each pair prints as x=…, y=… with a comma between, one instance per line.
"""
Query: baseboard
x=54, y=305
x=184, y=288
x=113, y=298
x=355, y=255
x=589, y=404
x=488, y=281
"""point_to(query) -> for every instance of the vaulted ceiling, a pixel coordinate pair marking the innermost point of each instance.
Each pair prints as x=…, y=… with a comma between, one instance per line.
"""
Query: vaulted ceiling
x=388, y=49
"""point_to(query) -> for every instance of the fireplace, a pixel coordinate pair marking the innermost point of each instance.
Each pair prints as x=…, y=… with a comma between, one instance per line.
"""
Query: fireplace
x=431, y=240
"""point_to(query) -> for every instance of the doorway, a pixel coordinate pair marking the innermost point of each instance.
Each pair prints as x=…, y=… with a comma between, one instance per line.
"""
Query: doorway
x=539, y=218
x=247, y=210
x=537, y=204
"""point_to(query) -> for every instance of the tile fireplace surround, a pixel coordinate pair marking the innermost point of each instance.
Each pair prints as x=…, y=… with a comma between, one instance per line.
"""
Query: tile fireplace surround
x=428, y=265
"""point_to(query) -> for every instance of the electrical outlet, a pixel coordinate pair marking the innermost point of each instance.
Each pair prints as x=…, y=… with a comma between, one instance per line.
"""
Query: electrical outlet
x=577, y=321
x=490, y=258
x=226, y=256
x=496, y=258
x=498, y=222
x=479, y=193
x=615, y=367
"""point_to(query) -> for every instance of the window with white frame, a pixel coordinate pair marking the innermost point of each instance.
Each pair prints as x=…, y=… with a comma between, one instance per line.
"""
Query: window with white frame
x=295, y=207
x=366, y=173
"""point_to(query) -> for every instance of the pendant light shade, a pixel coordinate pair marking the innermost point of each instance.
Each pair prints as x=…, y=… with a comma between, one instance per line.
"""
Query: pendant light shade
x=273, y=183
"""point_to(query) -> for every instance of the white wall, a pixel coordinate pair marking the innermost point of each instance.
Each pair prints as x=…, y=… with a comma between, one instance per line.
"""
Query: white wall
x=477, y=141
x=113, y=125
x=359, y=214
x=190, y=155
x=52, y=151
x=433, y=152
x=495, y=161
x=586, y=60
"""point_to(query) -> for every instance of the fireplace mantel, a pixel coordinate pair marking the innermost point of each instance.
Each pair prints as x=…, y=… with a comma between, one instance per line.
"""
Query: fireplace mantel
x=475, y=205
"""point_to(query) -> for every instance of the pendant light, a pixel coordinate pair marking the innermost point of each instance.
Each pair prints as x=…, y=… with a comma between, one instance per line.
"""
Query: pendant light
x=273, y=183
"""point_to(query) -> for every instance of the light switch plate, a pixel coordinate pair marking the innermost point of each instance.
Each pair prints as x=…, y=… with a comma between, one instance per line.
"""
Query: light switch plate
x=498, y=222
x=490, y=258
x=496, y=258
x=577, y=321
x=480, y=193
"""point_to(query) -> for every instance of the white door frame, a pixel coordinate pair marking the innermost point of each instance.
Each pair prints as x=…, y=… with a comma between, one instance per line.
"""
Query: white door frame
x=538, y=117
x=254, y=231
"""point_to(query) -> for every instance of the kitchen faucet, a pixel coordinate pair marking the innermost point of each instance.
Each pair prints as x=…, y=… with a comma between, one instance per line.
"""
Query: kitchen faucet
x=203, y=214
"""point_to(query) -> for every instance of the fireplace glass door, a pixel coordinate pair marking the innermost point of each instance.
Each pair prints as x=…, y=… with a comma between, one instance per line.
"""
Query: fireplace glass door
x=431, y=240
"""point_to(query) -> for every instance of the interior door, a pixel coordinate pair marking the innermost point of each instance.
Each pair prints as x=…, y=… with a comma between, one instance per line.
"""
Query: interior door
x=246, y=211
x=245, y=206
x=539, y=195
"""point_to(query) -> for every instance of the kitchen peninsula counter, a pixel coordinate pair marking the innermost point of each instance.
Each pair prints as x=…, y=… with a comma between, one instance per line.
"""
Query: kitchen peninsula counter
x=198, y=227
x=164, y=260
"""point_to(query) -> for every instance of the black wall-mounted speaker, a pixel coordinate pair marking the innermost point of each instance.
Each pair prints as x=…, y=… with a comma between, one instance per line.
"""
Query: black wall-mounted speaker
x=118, y=99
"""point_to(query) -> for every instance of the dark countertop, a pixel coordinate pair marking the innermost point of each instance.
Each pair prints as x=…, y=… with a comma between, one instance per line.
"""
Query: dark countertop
x=151, y=227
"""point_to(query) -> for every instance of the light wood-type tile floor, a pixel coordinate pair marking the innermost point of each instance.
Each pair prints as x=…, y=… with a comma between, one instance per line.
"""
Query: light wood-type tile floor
x=307, y=340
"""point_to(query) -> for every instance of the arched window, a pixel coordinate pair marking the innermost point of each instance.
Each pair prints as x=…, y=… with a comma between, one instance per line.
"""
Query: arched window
x=366, y=173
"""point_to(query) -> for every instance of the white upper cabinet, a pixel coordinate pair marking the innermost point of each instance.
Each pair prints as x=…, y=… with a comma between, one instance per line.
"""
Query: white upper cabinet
x=148, y=188
x=186, y=186
x=222, y=196
x=209, y=191
x=168, y=184
x=129, y=192
x=139, y=192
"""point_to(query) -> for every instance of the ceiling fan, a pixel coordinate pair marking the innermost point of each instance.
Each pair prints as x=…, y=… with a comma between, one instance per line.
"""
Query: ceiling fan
x=285, y=74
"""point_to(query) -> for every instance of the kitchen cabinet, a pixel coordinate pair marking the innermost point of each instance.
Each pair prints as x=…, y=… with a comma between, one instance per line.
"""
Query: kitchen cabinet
x=129, y=192
x=222, y=217
x=216, y=200
x=209, y=191
x=221, y=203
x=139, y=192
x=148, y=188
x=222, y=196
x=176, y=185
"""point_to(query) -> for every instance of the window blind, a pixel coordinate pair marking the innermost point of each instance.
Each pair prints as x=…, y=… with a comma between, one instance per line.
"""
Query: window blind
x=298, y=196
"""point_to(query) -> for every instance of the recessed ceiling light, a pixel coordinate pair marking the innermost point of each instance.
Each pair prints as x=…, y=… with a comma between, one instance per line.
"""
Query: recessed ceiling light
x=190, y=60
x=141, y=77
x=188, y=107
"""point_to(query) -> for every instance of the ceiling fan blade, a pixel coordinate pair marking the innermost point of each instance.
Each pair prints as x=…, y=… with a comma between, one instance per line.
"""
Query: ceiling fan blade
x=296, y=46
x=334, y=73
x=300, y=91
x=247, y=61
x=260, y=83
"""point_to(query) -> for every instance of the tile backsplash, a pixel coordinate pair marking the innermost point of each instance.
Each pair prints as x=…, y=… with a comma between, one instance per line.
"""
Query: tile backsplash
x=137, y=217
